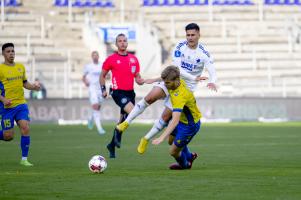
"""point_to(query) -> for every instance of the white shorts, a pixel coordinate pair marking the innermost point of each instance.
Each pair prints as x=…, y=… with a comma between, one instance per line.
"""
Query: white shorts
x=167, y=102
x=95, y=95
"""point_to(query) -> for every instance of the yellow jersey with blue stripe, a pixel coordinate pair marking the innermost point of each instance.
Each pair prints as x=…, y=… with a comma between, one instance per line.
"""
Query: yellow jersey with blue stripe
x=182, y=100
x=11, y=83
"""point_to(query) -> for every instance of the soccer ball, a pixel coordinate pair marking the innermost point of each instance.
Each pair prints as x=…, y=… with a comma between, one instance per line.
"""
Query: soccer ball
x=97, y=164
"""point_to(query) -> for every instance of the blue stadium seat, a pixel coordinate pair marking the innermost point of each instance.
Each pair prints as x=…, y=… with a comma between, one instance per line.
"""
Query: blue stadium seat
x=282, y=2
x=60, y=3
x=84, y=3
x=232, y=2
x=11, y=3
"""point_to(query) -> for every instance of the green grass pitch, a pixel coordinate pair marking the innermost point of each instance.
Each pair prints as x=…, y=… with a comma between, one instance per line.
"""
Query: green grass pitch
x=236, y=161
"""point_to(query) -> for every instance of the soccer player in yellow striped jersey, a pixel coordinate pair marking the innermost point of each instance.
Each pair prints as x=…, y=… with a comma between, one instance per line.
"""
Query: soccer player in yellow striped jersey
x=185, y=118
x=12, y=101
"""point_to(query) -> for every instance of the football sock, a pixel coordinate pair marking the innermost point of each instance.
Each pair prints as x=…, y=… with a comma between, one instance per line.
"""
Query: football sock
x=187, y=153
x=182, y=160
x=25, y=142
x=157, y=127
x=96, y=117
x=137, y=110
x=1, y=135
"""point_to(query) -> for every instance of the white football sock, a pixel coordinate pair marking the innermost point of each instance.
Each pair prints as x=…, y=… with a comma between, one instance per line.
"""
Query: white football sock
x=96, y=117
x=157, y=127
x=137, y=110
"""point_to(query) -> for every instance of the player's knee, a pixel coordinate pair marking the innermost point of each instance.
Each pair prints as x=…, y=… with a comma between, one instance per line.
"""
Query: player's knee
x=25, y=130
x=149, y=99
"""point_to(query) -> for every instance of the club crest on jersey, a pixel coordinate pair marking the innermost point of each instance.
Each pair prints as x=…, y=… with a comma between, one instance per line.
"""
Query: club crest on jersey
x=123, y=100
x=133, y=69
x=132, y=60
x=176, y=94
x=177, y=53
x=118, y=62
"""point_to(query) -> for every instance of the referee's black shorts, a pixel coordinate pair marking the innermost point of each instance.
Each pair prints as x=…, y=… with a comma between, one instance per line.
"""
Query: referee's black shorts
x=123, y=97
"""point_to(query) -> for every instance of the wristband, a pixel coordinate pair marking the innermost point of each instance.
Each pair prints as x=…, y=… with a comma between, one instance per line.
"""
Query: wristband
x=103, y=88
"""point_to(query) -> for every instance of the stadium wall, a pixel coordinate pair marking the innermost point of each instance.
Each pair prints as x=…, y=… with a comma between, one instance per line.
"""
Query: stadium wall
x=213, y=109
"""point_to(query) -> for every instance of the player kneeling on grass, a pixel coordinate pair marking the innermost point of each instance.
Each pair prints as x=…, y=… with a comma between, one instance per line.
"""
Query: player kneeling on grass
x=185, y=119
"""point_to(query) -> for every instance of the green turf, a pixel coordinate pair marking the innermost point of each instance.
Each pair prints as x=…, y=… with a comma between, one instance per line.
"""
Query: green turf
x=236, y=161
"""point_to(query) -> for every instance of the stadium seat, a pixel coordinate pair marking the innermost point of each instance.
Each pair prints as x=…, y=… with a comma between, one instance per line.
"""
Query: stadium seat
x=282, y=2
x=232, y=2
x=11, y=3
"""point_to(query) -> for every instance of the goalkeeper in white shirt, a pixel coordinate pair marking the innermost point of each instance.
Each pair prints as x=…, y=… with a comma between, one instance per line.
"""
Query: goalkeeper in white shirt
x=191, y=58
x=91, y=80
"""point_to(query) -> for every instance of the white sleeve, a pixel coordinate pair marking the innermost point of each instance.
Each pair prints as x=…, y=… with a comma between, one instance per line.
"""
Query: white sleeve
x=211, y=70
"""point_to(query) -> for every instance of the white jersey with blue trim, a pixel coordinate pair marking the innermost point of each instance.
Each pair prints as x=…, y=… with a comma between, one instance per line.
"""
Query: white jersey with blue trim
x=192, y=62
x=92, y=72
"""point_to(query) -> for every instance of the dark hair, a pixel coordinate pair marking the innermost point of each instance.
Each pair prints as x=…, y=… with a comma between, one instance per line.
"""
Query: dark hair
x=170, y=73
x=120, y=34
x=192, y=26
x=4, y=46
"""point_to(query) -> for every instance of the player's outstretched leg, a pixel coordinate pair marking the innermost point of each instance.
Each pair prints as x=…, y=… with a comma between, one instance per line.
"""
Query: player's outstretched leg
x=157, y=127
x=137, y=110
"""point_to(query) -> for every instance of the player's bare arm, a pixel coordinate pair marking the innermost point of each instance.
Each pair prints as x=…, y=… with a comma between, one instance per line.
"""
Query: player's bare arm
x=85, y=80
x=138, y=79
x=171, y=126
x=32, y=86
x=102, y=82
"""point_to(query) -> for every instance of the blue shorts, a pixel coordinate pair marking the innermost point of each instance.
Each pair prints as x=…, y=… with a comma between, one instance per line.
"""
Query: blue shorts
x=185, y=133
x=9, y=115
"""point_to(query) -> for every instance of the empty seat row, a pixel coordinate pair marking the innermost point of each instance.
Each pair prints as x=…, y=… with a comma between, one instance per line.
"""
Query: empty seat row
x=84, y=3
x=11, y=3
x=215, y=2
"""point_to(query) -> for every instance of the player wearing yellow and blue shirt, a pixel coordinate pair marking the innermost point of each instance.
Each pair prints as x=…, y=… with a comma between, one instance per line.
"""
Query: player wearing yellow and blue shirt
x=13, y=104
x=185, y=118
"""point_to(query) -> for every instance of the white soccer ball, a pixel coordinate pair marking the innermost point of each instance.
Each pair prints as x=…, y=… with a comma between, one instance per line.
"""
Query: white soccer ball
x=97, y=164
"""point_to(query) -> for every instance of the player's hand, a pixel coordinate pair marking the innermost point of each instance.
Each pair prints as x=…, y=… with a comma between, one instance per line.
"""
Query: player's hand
x=140, y=81
x=36, y=86
x=104, y=94
x=157, y=141
x=212, y=86
x=201, y=78
x=6, y=102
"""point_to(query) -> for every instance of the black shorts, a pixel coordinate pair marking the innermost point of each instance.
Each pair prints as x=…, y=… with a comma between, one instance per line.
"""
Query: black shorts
x=123, y=97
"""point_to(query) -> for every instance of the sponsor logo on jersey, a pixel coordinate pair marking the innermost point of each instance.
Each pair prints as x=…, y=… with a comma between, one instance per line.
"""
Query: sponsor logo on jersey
x=188, y=66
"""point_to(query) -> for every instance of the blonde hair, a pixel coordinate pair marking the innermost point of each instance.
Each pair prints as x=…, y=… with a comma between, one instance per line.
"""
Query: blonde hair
x=170, y=73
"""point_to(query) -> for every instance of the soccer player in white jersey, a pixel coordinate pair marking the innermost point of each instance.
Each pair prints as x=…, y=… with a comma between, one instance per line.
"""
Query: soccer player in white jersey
x=91, y=80
x=191, y=57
